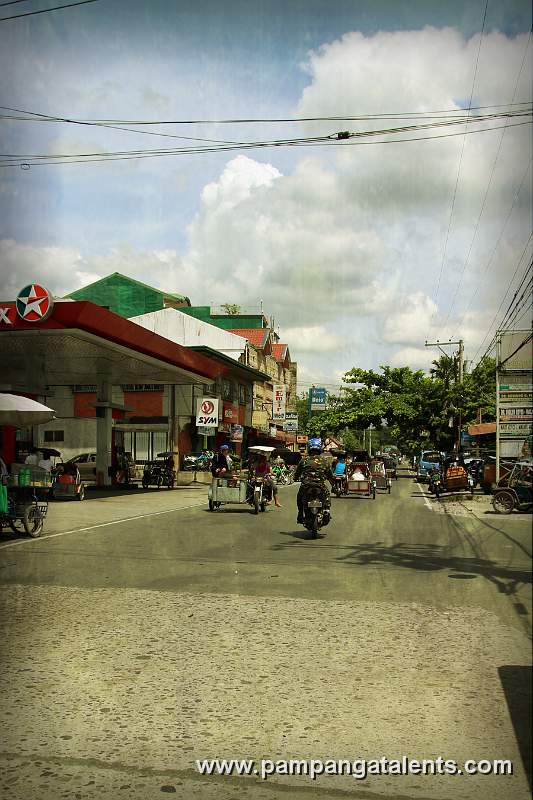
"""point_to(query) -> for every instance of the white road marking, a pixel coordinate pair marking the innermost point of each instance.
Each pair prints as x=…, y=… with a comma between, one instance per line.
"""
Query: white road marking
x=93, y=527
x=426, y=499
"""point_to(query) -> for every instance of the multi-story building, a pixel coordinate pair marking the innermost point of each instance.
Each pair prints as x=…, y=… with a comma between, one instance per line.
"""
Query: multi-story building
x=248, y=337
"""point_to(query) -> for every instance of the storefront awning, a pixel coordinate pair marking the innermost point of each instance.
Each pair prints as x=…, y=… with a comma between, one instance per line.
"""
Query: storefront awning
x=482, y=429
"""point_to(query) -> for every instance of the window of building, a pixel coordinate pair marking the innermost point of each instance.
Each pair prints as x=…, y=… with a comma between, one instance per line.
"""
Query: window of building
x=227, y=389
x=54, y=436
x=142, y=387
x=242, y=394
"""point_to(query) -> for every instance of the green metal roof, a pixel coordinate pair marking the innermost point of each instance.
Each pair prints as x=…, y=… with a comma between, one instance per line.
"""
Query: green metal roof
x=128, y=297
x=226, y=321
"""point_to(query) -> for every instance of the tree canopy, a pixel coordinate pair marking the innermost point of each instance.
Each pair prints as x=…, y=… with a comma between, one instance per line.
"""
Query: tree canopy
x=416, y=408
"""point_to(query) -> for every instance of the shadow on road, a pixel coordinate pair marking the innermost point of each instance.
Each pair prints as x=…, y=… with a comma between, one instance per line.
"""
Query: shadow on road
x=305, y=535
x=430, y=558
x=516, y=683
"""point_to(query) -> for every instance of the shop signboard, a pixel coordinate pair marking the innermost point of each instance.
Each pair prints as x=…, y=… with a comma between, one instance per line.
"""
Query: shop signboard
x=207, y=412
x=237, y=432
x=230, y=413
x=514, y=395
x=291, y=422
x=278, y=401
x=515, y=430
x=203, y=431
x=317, y=398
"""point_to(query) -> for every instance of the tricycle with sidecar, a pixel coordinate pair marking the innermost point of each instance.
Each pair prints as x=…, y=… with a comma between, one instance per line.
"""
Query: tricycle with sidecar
x=25, y=501
x=517, y=492
x=379, y=474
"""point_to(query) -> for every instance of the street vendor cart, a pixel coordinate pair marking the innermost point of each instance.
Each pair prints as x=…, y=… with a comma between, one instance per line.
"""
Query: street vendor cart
x=24, y=492
x=25, y=503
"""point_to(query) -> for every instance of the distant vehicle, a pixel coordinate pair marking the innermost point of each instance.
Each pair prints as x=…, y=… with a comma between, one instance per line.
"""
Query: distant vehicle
x=86, y=463
x=429, y=459
x=190, y=461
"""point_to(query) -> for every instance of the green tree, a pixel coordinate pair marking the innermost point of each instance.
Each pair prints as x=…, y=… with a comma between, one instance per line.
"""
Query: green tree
x=231, y=308
x=479, y=392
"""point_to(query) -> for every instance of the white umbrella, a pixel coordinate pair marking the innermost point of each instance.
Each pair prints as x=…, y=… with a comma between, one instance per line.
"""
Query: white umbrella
x=21, y=411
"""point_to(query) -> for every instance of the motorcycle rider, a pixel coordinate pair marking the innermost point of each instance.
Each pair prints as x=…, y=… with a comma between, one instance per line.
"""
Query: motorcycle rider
x=263, y=470
x=313, y=468
x=221, y=463
x=338, y=469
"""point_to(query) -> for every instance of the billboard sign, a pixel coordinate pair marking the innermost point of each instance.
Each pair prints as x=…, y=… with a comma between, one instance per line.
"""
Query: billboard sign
x=514, y=396
x=291, y=422
x=279, y=400
x=207, y=412
x=317, y=398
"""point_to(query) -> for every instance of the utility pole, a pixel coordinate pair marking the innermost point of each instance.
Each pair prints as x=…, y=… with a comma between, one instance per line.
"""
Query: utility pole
x=461, y=344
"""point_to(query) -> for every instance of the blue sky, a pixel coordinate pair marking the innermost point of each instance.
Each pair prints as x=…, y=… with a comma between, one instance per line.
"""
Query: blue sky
x=346, y=247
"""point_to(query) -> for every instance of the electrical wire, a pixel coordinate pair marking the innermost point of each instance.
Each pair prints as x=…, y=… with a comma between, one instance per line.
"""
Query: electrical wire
x=454, y=197
x=505, y=323
x=509, y=309
x=528, y=338
x=47, y=10
x=250, y=120
x=45, y=118
x=489, y=184
x=344, y=135
x=494, y=249
x=340, y=139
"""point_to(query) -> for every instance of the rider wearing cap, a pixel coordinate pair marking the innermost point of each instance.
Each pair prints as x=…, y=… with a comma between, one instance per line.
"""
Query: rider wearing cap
x=313, y=468
x=221, y=464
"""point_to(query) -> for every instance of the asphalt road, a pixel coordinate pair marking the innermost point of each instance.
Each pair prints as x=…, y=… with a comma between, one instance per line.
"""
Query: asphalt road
x=137, y=640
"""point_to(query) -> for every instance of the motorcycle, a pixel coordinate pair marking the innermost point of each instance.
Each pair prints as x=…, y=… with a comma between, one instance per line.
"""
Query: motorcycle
x=204, y=461
x=316, y=515
x=339, y=485
x=435, y=482
x=259, y=494
x=280, y=474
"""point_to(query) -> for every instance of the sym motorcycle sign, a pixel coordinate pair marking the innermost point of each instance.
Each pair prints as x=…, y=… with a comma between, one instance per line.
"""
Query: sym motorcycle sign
x=207, y=412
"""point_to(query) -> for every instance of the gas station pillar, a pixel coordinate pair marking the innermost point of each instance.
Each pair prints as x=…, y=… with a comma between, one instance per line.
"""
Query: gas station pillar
x=104, y=430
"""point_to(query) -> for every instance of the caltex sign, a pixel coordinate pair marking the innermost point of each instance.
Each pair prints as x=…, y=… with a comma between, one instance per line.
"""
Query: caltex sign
x=207, y=412
x=34, y=303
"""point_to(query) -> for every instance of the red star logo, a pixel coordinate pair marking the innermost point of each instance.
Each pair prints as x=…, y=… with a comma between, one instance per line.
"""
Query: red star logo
x=34, y=303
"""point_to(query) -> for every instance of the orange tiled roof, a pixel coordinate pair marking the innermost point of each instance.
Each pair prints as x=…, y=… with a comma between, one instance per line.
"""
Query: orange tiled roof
x=280, y=352
x=258, y=337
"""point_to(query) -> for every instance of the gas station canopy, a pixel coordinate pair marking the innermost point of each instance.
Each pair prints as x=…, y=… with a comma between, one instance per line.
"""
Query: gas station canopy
x=82, y=343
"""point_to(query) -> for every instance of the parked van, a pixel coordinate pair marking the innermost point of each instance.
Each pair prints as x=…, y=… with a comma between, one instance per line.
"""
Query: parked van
x=429, y=459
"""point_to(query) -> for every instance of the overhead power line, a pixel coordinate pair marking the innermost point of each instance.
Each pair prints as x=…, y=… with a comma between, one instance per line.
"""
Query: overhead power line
x=487, y=190
x=32, y=116
x=510, y=308
x=342, y=138
x=454, y=196
x=496, y=245
x=526, y=340
x=47, y=10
